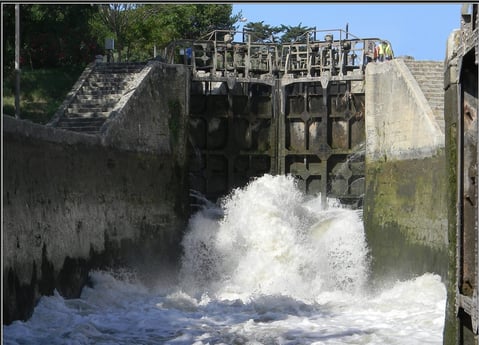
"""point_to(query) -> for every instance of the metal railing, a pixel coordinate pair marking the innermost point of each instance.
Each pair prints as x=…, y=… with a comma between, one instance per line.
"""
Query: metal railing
x=338, y=52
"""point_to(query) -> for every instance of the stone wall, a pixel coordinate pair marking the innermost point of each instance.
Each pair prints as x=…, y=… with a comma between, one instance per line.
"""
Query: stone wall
x=158, y=101
x=405, y=209
x=400, y=122
x=461, y=123
x=452, y=328
x=74, y=202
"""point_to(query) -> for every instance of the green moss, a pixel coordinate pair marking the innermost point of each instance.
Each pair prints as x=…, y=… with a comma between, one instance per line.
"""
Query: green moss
x=42, y=91
x=406, y=216
x=451, y=325
x=394, y=257
x=174, y=108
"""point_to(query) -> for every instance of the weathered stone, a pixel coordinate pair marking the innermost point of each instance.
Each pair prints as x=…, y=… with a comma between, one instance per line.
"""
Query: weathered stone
x=405, y=211
x=73, y=202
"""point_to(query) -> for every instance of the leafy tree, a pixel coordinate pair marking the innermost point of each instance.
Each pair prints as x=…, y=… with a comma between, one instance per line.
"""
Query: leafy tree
x=156, y=25
x=189, y=21
x=210, y=17
x=51, y=35
x=295, y=34
x=114, y=21
x=61, y=34
x=260, y=32
x=8, y=33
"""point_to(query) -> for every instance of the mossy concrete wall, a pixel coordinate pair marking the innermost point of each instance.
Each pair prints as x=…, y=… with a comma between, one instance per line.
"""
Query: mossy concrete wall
x=461, y=107
x=405, y=210
x=452, y=126
x=404, y=217
x=73, y=202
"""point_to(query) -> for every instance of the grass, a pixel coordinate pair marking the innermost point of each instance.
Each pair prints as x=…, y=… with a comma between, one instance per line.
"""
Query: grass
x=42, y=91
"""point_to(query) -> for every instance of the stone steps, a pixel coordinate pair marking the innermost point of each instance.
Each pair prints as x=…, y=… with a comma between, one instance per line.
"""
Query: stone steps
x=90, y=112
x=430, y=77
x=82, y=124
x=101, y=91
x=98, y=96
x=89, y=100
x=102, y=97
x=104, y=86
x=117, y=68
x=91, y=106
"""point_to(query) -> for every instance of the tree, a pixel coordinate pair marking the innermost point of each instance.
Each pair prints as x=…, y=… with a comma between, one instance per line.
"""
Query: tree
x=51, y=35
x=189, y=21
x=295, y=34
x=210, y=17
x=61, y=34
x=114, y=21
x=8, y=33
x=260, y=32
x=156, y=25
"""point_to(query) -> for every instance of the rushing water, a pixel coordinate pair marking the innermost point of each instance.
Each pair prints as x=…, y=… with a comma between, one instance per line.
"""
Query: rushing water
x=269, y=266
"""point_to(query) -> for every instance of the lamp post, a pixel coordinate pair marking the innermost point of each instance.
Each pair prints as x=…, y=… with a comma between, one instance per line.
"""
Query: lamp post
x=242, y=20
x=17, y=61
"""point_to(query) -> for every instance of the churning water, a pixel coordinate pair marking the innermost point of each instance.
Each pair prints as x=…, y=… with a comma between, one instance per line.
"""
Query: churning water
x=269, y=266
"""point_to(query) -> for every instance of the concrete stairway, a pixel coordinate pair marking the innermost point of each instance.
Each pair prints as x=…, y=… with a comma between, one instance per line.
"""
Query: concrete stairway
x=430, y=77
x=97, y=96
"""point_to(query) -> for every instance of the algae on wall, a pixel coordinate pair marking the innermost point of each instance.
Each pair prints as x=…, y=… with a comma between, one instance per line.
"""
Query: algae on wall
x=74, y=202
x=405, y=210
x=451, y=324
x=69, y=208
x=405, y=217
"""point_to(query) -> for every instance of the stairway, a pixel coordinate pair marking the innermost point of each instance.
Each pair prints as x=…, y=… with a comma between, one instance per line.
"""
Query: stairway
x=99, y=94
x=430, y=77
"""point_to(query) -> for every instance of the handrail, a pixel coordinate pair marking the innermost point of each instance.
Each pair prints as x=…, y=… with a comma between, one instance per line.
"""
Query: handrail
x=218, y=54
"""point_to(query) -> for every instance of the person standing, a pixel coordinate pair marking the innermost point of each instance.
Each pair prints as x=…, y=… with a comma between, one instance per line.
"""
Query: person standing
x=381, y=48
x=388, y=51
x=384, y=51
x=370, y=53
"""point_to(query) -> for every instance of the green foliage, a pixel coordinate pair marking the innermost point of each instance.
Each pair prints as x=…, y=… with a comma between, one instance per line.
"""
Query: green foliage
x=42, y=91
x=55, y=35
x=295, y=34
x=8, y=36
x=51, y=35
x=159, y=24
x=260, y=32
x=114, y=21
x=140, y=28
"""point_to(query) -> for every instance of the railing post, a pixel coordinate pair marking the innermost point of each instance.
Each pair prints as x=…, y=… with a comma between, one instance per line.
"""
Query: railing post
x=17, y=61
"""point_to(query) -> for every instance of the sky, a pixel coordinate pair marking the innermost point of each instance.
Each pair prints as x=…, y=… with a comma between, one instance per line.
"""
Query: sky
x=419, y=30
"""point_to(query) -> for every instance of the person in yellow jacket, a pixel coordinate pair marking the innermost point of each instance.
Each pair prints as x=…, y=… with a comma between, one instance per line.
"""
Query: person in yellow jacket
x=388, y=51
x=381, y=47
x=384, y=51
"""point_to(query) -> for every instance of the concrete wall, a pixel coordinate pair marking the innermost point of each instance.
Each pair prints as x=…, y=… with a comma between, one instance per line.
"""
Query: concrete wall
x=158, y=101
x=452, y=127
x=73, y=202
x=461, y=119
x=405, y=210
x=400, y=123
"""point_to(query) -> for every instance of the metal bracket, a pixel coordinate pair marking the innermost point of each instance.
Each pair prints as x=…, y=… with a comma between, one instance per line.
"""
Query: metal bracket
x=469, y=305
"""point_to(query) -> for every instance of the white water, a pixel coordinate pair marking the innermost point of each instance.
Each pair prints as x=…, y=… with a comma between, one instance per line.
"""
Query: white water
x=268, y=267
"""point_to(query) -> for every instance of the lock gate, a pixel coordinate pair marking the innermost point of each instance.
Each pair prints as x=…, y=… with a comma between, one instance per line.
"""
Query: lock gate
x=261, y=108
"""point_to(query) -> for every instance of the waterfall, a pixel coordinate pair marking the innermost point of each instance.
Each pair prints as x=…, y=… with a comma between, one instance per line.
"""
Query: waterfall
x=274, y=240
x=267, y=265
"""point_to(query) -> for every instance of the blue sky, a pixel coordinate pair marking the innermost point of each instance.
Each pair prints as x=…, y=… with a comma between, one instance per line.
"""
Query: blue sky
x=416, y=29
